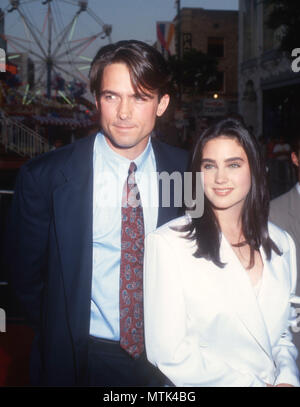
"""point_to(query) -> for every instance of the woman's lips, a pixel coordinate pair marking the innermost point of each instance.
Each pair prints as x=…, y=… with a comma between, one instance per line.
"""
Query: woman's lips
x=222, y=191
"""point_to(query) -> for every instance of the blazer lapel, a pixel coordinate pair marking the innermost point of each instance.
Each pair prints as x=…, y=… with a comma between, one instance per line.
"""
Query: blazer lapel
x=164, y=163
x=294, y=205
x=73, y=212
x=241, y=295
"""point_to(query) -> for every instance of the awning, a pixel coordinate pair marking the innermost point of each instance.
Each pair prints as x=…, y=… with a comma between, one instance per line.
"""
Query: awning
x=63, y=121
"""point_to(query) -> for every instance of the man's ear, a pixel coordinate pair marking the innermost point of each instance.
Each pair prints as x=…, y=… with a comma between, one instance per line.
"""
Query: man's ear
x=163, y=104
x=97, y=103
x=295, y=159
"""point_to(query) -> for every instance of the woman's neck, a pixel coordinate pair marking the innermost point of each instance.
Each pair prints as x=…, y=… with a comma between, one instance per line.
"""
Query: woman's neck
x=231, y=225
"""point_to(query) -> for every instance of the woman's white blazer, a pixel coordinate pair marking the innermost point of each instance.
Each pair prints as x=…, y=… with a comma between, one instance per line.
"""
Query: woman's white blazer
x=204, y=325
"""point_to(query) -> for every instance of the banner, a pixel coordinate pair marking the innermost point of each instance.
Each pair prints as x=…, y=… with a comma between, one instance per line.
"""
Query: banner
x=166, y=37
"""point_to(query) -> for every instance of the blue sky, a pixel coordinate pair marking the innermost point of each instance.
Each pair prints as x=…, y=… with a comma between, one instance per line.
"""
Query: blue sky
x=131, y=19
x=136, y=18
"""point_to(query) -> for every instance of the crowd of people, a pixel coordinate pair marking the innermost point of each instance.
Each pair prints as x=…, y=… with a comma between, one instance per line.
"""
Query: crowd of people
x=126, y=287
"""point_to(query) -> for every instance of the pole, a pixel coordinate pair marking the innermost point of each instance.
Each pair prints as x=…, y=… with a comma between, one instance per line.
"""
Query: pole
x=178, y=30
x=49, y=59
x=179, y=49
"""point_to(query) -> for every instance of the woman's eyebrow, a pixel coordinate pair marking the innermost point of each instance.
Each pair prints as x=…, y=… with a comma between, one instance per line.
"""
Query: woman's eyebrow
x=227, y=159
x=234, y=159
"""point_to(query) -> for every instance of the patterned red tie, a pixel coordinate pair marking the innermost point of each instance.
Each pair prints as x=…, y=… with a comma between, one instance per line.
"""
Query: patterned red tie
x=131, y=268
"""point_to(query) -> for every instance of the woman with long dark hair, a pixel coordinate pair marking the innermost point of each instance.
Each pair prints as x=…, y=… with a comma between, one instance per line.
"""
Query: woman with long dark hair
x=218, y=288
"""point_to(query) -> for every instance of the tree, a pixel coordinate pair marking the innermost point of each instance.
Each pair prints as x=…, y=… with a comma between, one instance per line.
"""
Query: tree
x=194, y=73
x=285, y=14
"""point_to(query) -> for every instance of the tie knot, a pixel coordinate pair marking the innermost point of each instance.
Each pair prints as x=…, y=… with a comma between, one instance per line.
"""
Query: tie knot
x=132, y=168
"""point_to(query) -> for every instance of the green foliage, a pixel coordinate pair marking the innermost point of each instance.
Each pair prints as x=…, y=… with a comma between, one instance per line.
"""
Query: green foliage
x=194, y=72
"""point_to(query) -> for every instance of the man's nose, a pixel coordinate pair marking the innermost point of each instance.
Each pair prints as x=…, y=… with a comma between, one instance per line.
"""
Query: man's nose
x=124, y=109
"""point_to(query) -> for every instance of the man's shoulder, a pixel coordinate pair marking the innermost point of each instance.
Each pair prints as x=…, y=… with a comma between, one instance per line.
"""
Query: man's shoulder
x=175, y=157
x=56, y=159
x=281, y=200
x=169, y=148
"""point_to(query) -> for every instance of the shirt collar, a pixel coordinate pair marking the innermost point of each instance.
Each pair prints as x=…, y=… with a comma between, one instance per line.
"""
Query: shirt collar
x=298, y=187
x=116, y=159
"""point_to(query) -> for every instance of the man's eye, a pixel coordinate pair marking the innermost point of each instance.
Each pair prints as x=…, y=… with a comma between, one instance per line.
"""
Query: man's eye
x=234, y=165
x=140, y=98
x=208, y=166
x=108, y=97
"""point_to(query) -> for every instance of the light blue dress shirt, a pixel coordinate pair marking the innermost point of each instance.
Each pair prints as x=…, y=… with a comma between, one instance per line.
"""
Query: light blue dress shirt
x=110, y=173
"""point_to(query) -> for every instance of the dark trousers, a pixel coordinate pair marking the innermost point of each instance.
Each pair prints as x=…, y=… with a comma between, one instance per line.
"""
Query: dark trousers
x=110, y=365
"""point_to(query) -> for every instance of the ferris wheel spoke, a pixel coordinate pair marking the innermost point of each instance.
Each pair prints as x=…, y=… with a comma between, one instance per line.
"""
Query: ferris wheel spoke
x=64, y=34
x=71, y=74
x=84, y=78
x=65, y=62
x=80, y=44
x=32, y=32
x=19, y=47
x=51, y=38
x=95, y=17
x=16, y=39
x=40, y=79
x=107, y=28
x=14, y=5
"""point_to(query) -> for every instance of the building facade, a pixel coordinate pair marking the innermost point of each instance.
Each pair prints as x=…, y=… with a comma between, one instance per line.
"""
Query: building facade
x=214, y=32
x=268, y=86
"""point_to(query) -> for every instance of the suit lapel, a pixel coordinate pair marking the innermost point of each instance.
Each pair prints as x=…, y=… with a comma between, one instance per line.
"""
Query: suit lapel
x=164, y=163
x=241, y=295
x=73, y=212
x=294, y=205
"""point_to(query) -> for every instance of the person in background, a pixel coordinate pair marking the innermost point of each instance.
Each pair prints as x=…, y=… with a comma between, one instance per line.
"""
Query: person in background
x=285, y=212
x=218, y=287
x=281, y=149
x=77, y=240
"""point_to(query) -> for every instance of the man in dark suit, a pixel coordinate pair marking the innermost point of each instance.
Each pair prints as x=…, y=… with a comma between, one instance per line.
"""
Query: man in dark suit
x=66, y=235
x=285, y=212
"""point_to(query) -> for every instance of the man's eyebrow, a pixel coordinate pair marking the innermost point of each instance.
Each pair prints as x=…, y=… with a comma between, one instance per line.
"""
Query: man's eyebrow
x=135, y=94
x=144, y=95
x=106, y=91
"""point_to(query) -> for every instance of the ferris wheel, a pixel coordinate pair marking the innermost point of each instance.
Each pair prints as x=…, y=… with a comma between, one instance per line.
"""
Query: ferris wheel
x=57, y=36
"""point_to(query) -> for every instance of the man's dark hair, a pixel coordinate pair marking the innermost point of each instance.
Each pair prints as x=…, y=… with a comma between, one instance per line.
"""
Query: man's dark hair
x=147, y=67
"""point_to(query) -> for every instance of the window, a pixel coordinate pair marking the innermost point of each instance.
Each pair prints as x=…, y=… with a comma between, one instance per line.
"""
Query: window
x=217, y=83
x=215, y=46
x=187, y=42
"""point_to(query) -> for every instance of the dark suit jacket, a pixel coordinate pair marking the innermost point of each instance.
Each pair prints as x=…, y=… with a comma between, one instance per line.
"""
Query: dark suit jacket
x=51, y=254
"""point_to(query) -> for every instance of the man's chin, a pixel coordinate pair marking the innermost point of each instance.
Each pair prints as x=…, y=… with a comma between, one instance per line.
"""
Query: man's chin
x=125, y=142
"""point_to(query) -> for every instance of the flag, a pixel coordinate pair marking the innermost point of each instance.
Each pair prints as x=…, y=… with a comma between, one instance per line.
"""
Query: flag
x=166, y=37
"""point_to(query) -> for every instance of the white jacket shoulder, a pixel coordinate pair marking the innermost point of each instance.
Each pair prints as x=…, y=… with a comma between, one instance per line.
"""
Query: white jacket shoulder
x=280, y=237
x=168, y=228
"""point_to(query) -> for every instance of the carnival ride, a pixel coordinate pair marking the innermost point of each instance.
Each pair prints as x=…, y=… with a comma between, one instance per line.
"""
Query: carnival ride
x=56, y=35
x=49, y=46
